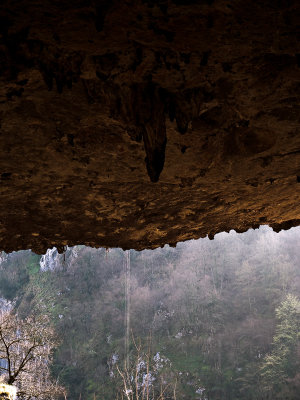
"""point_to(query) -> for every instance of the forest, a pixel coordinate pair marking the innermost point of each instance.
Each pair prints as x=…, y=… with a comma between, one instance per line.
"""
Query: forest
x=210, y=319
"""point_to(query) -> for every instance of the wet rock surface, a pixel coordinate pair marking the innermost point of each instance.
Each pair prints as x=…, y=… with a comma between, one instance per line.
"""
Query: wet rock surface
x=141, y=123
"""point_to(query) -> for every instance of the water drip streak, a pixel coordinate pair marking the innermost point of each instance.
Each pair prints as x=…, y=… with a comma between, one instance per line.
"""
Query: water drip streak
x=127, y=305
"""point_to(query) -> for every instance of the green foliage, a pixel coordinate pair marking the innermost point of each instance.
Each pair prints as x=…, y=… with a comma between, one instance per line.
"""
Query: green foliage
x=282, y=363
x=16, y=271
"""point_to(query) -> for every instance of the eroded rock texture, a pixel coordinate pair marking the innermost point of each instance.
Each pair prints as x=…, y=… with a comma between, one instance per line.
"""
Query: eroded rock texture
x=140, y=123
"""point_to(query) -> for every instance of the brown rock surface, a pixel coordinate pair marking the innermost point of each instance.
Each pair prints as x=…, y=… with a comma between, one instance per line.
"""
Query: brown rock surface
x=99, y=99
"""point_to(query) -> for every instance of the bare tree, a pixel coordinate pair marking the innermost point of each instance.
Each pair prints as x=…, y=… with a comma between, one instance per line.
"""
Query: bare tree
x=141, y=379
x=26, y=348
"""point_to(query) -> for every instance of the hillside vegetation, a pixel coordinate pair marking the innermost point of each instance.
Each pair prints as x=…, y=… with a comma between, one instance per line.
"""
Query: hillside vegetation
x=218, y=319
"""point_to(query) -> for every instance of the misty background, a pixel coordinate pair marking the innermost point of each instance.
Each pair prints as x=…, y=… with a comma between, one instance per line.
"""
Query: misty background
x=218, y=319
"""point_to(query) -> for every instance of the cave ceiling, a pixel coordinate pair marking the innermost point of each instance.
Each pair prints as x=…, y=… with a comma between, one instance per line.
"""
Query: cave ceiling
x=139, y=123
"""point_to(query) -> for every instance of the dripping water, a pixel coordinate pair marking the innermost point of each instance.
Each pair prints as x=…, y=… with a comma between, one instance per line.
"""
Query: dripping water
x=127, y=305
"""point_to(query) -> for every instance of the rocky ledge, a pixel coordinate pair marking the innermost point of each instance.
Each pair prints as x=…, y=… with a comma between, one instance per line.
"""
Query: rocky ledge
x=140, y=123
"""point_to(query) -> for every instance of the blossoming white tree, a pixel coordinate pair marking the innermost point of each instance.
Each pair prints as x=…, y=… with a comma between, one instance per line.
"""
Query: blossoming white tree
x=26, y=347
x=142, y=377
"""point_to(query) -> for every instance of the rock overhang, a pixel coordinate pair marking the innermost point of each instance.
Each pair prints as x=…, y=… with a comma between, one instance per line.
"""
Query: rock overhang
x=136, y=124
